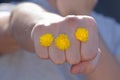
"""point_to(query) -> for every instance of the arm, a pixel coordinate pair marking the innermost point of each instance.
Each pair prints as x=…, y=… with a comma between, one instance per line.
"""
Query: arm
x=23, y=18
x=17, y=24
x=6, y=41
x=108, y=68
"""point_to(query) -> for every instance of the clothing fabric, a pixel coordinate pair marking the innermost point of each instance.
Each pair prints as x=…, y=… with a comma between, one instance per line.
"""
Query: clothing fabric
x=109, y=30
x=23, y=65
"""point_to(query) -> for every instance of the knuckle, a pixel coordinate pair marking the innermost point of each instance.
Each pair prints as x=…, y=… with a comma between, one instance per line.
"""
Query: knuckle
x=89, y=20
x=71, y=19
x=36, y=29
x=39, y=26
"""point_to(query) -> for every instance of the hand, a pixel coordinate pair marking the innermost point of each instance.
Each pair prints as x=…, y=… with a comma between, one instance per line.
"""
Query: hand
x=86, y=67
x=77, y=51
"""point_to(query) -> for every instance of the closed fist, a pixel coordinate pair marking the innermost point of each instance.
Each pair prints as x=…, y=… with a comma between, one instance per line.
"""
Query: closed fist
x=77, y=51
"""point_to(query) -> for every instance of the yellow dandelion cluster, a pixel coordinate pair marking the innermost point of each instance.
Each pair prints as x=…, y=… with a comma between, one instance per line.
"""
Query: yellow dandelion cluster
x=82, y=34
x=62, y=42
x=46, y=39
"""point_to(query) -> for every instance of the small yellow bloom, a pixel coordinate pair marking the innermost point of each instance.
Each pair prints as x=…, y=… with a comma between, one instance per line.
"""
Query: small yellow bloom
x=82, y=34
x=62, y=42
x=46, y=39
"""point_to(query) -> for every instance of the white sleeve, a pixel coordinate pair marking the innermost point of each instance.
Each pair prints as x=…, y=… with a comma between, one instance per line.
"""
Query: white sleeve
x=110, y=31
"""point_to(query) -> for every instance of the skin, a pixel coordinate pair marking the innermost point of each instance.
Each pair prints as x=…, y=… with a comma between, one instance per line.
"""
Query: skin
x=82, y=56
x=72, y=54
x=8, y=44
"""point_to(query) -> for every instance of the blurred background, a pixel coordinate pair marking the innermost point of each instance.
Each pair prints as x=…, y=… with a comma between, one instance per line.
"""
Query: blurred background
x=109, y=8
x=106, y=7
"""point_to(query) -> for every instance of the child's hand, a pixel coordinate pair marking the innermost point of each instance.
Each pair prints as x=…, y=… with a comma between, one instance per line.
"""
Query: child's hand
x=76, y=51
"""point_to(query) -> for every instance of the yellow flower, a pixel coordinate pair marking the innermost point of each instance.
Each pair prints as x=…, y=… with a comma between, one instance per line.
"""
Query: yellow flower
x=46, y=39
x=82, y=34
x=62, y=42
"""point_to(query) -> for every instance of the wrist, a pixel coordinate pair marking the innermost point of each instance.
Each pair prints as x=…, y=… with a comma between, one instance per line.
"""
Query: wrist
x=7, y=42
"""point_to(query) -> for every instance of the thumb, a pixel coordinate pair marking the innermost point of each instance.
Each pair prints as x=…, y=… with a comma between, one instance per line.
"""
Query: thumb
x=86, y=67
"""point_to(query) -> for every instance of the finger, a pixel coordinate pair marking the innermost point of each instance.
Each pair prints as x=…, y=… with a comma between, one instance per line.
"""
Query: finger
x=73, y=52
x=89, y=48
x=56, y=55
x=41, y=51
x=85, y=67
